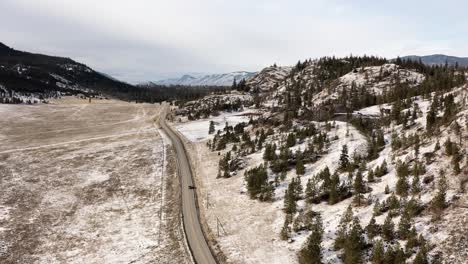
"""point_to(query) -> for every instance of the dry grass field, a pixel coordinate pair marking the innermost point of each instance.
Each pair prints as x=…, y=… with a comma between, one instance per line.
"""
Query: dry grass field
x=87, y=183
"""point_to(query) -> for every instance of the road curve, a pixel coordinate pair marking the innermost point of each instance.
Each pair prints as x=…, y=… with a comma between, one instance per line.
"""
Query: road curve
x=193, y=231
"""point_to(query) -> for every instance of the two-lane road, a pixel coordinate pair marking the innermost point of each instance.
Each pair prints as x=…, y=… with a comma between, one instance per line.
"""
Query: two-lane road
x=196, y=240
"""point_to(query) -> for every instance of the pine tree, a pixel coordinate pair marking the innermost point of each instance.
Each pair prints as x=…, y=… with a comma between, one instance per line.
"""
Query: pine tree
x=311, y=253
x=333, y=191
x=404, y=225
x=393, y=202
x=212, y=128
x=344, y=158
x=438, y=202
x=421, y=257
x=412, y=239
x=377, y=210
x=359, y=187
x=431, y=117
x=402, y=187
x=415, y=185
x=400, y=257
x=300, y=169
x=291, y=140
x=437, y=146
x=284, y=234
x=354, y=244
x=378, y=253
x=388, y=229
x=312, y=190
x=342, y=232
x=387, y=189
x=372, y=228
x=370, y=176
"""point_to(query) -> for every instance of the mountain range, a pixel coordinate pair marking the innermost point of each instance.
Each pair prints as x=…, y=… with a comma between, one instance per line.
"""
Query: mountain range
x=224, y=79
x=439, y=59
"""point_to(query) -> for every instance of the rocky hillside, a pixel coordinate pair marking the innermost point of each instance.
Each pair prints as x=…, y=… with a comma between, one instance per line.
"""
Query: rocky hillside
x=346, y=160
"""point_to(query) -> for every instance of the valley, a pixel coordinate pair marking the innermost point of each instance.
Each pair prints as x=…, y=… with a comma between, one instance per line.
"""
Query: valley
x=88, y=182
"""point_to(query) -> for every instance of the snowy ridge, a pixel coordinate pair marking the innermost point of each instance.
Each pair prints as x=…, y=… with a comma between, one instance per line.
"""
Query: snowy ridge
x=225, y=79
x=269, y=78
x=375, y=79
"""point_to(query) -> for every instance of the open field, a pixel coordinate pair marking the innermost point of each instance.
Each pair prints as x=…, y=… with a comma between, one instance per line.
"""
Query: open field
x=87, y=183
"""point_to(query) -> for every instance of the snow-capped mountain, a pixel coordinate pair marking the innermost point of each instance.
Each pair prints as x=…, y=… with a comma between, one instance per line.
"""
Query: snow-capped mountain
x=223, y=79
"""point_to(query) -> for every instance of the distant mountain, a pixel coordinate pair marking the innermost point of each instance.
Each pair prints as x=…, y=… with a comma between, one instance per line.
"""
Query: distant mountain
x=439, y=59
x=225, y=79
x=36, y=75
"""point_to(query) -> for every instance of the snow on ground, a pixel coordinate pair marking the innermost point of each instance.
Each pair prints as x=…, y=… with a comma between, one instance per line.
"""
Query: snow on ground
x=253, y=235
x=374, y=78
x=253, y=227
x=197, y=130
x=90, y=197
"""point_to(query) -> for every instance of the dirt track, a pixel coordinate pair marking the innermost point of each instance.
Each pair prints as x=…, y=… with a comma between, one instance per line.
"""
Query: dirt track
x=83, y=183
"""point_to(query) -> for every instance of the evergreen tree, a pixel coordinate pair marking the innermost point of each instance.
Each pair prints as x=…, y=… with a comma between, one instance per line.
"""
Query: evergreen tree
x=377, y=210
x=415, y=185
x=400, y=257
x=291, y=140
x=311, y=253
x=325, y=176
x=421, y=257
x=284, y=234
x=431, y=117
x=388, y=229
x=312, y=190
x=257, y=179
x=372, y=228
x=333, y=191
x=370, y=176
x=211, y=128
x=300, y=169
x=342, y=232
x=289, y=202
x=404, y=225
x=387, y=189
x=359, y=187
x=378, y=253
x=344, y=158
x=402, y=187
x=354, y=244
x=438, y=202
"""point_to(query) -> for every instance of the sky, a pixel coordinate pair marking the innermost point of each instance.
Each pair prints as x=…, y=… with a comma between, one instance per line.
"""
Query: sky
x=148, y=40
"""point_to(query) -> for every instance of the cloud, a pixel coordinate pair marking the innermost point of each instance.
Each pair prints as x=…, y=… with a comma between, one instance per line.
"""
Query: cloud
x=153, y=39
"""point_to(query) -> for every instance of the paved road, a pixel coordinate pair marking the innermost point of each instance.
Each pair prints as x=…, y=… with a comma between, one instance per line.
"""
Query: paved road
x=198, y=245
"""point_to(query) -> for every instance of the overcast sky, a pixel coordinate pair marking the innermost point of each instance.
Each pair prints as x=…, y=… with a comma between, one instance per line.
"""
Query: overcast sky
x=142, y=40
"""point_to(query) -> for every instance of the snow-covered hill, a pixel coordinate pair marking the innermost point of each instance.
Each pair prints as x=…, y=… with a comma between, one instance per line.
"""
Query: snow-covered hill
x=224, y=79
x=393, y=171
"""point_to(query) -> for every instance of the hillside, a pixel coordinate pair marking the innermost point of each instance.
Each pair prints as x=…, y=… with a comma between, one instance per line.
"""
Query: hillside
x=32, y=78
x=335, y=160
x=25, y=75
x=225, y=79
